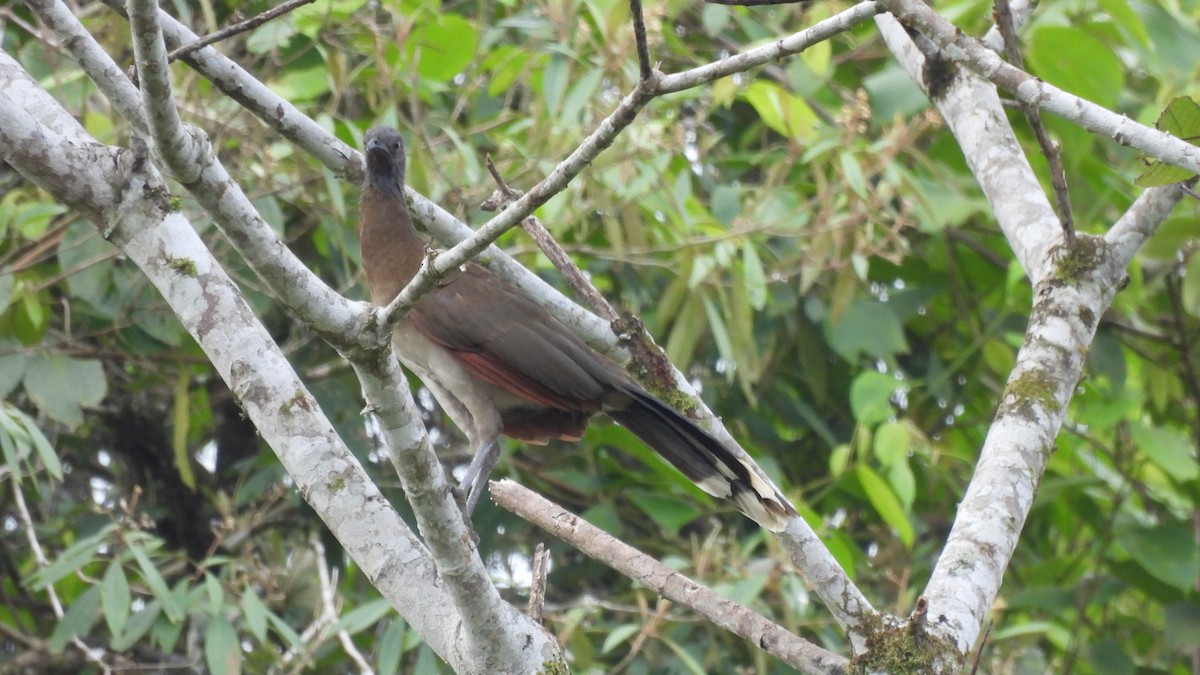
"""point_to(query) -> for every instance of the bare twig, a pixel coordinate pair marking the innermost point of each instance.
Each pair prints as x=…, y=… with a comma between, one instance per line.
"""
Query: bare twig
x=329, y=608
x=94, y=655
x=648, y=629
x=732, y=616
x=239, y=27
x=639, y=35
x=755, y=3
x=537, y=587
x=548, y=245
x=979, y=652
x=1058, y=175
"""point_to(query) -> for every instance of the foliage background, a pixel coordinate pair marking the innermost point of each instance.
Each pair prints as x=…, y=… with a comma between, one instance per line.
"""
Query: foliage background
x=805, y=241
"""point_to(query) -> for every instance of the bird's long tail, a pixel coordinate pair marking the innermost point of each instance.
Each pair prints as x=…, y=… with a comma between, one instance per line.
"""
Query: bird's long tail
x=707, y=463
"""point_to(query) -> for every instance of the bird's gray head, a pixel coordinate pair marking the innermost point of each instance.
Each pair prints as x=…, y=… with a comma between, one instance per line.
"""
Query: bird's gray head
x=384, y=150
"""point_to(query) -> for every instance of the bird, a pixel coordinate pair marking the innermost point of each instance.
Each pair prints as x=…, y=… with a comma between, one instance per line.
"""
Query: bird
x=499, y=363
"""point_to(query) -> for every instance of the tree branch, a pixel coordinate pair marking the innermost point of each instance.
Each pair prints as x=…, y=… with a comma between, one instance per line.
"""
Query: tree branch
x=501, y=198
x=1058, y=175
x=972, y=110
x=166, y=248
x=1063, y=322
x=968, y=51
x=732, y=616
x=174, y=145
x=1141, y=220
x=239, y=27
x=491, y=634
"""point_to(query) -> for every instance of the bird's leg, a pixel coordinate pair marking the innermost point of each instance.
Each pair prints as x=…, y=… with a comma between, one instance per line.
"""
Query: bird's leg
x=480, y=469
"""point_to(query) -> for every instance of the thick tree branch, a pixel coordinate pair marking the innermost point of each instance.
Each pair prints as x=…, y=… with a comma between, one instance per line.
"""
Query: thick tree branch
x=1141, y=220
x=732, y=616
x=1074, y=286
x=119, y=190
x=491, y=634
x=971, y=53
x=972, y=110
x=849, y=607
x=175, y=146
x=193, y=163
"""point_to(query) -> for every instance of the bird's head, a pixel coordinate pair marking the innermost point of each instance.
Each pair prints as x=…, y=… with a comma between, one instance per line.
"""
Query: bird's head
x=384, y=150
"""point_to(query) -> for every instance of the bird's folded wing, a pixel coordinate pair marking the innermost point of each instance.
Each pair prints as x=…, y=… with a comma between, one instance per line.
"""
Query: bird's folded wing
x=504, y=338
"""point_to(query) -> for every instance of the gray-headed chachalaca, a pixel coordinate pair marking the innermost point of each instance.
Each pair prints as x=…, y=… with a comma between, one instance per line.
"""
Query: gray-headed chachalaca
x=498, y=363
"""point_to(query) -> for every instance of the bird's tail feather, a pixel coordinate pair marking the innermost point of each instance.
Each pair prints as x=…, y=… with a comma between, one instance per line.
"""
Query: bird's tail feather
x=706, y=462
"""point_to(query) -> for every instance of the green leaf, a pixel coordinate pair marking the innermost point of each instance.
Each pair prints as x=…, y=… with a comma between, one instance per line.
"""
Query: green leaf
x=783, y=112
x=904, y=483
x=871, y=397
x=619, y=635
x=12, y=369
x=685, y=658
x=554, y=83
x=1182, y=120
x=892, y=443
x=364, y=616
x=158, y=586
x=304, y=84
x=853, y=173
x=272, y=35
x=222, y=652
x=604, y=516
x=720, y=333
x=284, y=630
x=41, y=444
x=6, y=290
x=33, y=218
x=446, y=46
x=1077, y=62
x=714, y=18
x=391, y=648
x=581, y=94
x=216, y=594
x=839, y=459
x=1124, y=16
x=84, y=252
x=139, y=624
x=1183, y=625
x=886, y=504
x=61, y=386
x=69, y=561
x=668, y=512
x=254, y=614
x=753, y=276
x=179, y=436
x=115, y=597
x=78, y=619
x=1110, y=659
x=1168, y=552
x=866, y=327
x=1170, y=450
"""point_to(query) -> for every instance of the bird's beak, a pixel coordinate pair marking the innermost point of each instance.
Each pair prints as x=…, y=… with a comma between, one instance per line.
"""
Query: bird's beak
x=377, y=154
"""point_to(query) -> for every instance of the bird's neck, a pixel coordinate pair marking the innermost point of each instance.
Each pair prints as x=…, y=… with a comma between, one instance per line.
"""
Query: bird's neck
x=391, y=248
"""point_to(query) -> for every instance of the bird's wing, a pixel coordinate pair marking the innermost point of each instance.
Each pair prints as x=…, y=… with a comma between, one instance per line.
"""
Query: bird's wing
x=503, y=337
